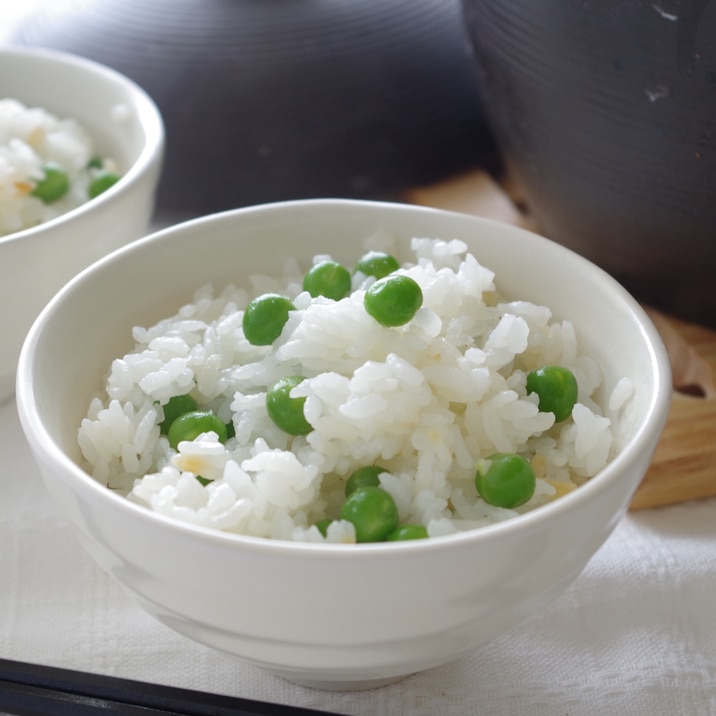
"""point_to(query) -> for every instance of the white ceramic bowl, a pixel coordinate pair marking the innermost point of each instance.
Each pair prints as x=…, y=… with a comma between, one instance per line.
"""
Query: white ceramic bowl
x=331, y=615
x=36, y=262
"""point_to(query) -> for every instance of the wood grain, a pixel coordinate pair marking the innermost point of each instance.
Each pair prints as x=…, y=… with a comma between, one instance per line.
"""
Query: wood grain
x=684, y=464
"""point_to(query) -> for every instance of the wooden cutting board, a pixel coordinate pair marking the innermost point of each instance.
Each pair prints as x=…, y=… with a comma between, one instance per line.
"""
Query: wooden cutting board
x=684, y=465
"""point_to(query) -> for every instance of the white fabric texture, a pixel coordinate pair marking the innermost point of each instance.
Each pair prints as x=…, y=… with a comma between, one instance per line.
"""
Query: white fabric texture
x=635, y=634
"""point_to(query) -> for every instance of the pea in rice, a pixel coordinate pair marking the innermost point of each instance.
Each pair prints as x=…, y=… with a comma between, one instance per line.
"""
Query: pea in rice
x=426, y=401
x=35, y=145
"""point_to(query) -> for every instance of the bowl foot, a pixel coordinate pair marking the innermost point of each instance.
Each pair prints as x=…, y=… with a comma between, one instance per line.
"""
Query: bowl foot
x=348, y=685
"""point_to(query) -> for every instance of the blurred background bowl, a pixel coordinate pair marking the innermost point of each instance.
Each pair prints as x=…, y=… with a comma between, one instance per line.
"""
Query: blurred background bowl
x=606, y=115
x=267, y=100
x=334, y=616
x=36, y=262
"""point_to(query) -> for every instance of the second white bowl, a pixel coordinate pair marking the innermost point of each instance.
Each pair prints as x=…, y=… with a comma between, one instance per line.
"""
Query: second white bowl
x=124, y=124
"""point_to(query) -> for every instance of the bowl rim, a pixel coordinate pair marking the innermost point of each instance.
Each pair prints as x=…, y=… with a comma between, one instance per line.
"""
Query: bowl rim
x=641, y=441
x=143, y=106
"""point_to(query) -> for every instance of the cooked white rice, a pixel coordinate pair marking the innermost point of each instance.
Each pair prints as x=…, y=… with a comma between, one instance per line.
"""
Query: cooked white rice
x=425, y=401
x=30, y=139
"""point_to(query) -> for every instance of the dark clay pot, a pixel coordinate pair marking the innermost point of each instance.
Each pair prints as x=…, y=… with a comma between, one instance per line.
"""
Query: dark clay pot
x=266, y=100
x=605, y=111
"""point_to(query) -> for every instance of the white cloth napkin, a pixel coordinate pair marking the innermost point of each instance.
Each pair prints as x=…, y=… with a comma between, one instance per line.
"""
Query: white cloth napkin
x=635, y=634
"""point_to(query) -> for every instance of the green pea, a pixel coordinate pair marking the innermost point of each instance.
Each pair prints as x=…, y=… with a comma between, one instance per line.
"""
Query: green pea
x=505, y=480
x=323, y=526
x=265, y=317
x=363, y=477
x=176, y=406
x=373, y=513
x=102, y=181
x=95, y=163
x=230, y=430
x=190, y=425
x=393, y=300
x=407, y=532
x=377, y=263
x=557, y=390
x=328, y=279
x=53, y=186
x=285, y=411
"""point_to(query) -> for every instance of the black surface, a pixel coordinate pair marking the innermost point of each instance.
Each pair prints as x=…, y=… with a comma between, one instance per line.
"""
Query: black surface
x=267, y=100
x=35, y=690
